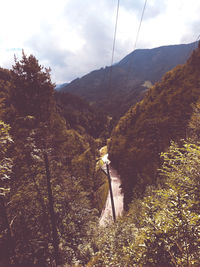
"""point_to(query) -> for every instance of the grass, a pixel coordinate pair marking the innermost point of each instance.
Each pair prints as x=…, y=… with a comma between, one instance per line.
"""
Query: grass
x=102, y=192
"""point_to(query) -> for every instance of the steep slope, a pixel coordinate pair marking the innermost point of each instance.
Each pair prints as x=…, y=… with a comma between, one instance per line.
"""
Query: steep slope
x=80, y=116
x=147, y=128
x=128, y=77
x=4, y=74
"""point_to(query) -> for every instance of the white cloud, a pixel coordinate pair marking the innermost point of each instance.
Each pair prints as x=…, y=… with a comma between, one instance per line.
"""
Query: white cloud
x=74, y=37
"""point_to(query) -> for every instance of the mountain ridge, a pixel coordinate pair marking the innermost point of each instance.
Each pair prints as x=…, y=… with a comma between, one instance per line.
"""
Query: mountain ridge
x=147, y=128
x=128, y=77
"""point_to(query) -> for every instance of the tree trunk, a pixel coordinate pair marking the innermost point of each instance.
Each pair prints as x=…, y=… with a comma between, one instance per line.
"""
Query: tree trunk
x=55, y=241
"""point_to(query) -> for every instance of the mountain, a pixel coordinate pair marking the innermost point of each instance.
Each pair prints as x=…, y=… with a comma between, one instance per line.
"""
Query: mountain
x=130, y=78
x=80, y=116
x=147, y=128
x=60, y=86
x=4, y=74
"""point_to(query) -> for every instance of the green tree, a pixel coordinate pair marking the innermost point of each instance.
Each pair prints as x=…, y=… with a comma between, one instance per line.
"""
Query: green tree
x=41, y=178
x=32, y=89
x=163, y=227
x=6, y=247
x=147, y=128
x=194, y=124
x=32, y=98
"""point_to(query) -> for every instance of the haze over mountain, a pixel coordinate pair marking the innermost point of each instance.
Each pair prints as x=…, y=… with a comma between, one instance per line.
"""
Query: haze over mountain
x=59, y=86
x=117, y=89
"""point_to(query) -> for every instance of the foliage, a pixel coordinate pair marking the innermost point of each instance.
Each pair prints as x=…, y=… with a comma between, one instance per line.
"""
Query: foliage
x=101, y=182
x=163, y=227
x=37, y=130
x=5, y=173
x=32, y=89
x=116, y=94
x=81, y=116
x=147, y=128
x=5, y=140
x=194, y=124
x=4, y=93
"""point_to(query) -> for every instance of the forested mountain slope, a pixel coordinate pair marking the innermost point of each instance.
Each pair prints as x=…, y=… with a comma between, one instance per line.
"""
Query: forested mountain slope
x=50, y=187
x=128, y=78
x=148, y=127
x=82, y=117
x=4, y=74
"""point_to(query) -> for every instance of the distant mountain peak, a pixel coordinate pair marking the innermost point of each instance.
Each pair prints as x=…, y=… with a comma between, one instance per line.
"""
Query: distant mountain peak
x=129, y=77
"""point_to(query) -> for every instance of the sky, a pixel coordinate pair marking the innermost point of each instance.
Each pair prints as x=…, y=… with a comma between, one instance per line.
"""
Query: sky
x=74, y=37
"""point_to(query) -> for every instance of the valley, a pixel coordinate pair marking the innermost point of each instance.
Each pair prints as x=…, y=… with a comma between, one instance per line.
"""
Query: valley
x=129, y=77
x=107, y=213
x=54, y=196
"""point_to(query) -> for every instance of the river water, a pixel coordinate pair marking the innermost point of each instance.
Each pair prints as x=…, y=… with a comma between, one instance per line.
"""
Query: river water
x=106, y=215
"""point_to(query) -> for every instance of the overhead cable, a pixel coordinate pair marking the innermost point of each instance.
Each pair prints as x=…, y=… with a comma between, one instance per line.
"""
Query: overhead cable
x=113, y=48
x=135, y=45
x=140, y=24
x=115, y=33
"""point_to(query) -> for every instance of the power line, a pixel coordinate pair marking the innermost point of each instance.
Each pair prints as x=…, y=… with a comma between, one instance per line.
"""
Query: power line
x=136, y=40
x=114, y=39
x=115, y=33
x=194, y=46
x=196, y=42
x=140, y=24
x=113, y=48
x=198, y=38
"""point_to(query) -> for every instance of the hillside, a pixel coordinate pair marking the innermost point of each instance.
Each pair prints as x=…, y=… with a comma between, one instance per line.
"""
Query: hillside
x=147, y=128
x=4, y=74
x=53, y=189
x=80, y=116
x=48, y=170
x=129, y=78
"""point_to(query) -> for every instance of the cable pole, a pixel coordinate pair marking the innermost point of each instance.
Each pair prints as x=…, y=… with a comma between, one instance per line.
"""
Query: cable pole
x=111, y=193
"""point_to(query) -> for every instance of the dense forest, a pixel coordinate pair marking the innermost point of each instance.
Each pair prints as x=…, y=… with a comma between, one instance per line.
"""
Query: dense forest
x=52, y=189
x=130, y=77
x=148, y=127
x=82, y=117
x=156, y=148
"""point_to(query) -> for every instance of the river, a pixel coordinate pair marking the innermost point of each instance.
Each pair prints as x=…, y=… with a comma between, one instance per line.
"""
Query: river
x=106, y=215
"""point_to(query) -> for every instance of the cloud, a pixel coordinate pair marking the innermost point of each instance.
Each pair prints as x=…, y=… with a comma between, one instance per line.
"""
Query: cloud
x=51, y=54
x=92, y=32
x=13, y=49
x=192, y=33
x=153, y=7
x=74, y=37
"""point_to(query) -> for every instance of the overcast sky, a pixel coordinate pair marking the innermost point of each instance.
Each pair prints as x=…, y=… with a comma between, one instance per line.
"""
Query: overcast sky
x=74, y=37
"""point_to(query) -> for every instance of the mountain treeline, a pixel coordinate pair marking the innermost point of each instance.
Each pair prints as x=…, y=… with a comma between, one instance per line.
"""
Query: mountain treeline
x=161, y=228
x=81, y=116
x=147, y=128
x=162, y=224
x=115, y=89
x=50, y=188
